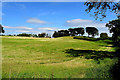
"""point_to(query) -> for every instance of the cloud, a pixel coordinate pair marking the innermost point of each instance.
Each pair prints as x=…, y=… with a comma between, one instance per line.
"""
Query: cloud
x=23, y=31
x=83, y=23
x=48, y=28
x=18, y=27
x=36, y=21
x=77, y=21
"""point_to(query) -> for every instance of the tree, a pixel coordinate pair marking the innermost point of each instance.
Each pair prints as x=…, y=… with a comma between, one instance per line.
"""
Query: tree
x=63, y=33
x=100, y=8
x=24, y=34
x=1, y=29
x=72, y=31
x=80, y=30
x=103, y=35
x=92, y=31
x=114, y=27
x=42, y=35
x=55, y=34
x=34, y=35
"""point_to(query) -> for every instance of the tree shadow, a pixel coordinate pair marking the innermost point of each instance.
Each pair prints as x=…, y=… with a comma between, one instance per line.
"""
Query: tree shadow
x=115, y=69
x=90, y=54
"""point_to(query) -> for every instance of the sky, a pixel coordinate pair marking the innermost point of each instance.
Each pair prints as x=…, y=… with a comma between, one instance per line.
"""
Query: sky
x=38, y=17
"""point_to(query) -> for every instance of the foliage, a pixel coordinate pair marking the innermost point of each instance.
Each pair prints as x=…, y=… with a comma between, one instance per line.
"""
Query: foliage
x=1, y=29
x=114, y=27
x=24, y=34
x=92, y=31
x=103, y=35
x=79, y=31
x=100, y=8
x=72, y=31
x=90, y=38
x=55, y=34
x=42, y=35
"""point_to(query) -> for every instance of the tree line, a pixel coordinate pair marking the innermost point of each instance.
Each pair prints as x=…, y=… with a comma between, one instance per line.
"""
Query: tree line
x=77, y=32
x=70, y=32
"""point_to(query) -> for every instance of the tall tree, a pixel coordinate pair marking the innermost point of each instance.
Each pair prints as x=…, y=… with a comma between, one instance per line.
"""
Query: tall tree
x=63, y=33
x=80, y=30
x=114, y=27
x=72, y=31
x=55, y=34
x=92, y=31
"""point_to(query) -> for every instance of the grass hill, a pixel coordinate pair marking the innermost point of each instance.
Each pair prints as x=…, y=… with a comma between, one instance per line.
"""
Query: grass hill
x=24, y=57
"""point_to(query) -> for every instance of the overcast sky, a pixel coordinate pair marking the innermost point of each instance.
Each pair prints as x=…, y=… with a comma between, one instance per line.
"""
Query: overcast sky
x=38, y=17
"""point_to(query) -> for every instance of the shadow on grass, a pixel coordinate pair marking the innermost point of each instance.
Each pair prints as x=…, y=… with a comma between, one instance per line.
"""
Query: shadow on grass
x=90, y=54
x=115, y=70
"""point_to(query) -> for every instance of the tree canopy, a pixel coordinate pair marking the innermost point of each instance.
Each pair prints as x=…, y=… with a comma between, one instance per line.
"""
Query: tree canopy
x=92, y=31
x=100, y=8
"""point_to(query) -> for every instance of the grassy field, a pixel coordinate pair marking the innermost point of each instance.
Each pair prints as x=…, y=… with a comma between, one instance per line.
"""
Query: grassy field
x=48, y=58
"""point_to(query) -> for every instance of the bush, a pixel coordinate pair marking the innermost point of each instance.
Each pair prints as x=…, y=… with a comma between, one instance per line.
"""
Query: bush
x=90, y=38
x=103, y=35
x=85, y=38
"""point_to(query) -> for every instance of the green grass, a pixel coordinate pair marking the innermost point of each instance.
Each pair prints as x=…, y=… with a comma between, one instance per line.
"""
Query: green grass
x=46, y=58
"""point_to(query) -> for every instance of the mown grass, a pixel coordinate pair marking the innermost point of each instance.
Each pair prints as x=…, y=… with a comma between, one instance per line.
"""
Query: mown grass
x=46, y=58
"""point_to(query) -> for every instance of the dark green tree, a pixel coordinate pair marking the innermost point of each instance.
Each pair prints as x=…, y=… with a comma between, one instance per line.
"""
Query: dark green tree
x=92, y=31
x=72, y=31
x=114, y=27
x=80, y=31
x=55, y=34
x=42, y=35
x=103, y=35
x=100, y=7
x=63, y=33
x=1, y=29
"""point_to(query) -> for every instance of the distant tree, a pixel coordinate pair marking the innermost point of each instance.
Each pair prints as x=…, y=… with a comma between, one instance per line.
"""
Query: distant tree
x=92, y=31
x=1, y=29
x=80, y=31
x=25, y=34
x=55, y=34
x=63, y=33
x=48, y=36
x=72, y=31
x=103, y=35
x=34, y=35
x=42, y=35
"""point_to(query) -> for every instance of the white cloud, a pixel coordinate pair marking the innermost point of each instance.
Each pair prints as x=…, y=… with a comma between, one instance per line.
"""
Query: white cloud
x=84, y=23
x=36, y=21
x=77, y=21
x=23, y=31
x=48, y=28
x=18, y=27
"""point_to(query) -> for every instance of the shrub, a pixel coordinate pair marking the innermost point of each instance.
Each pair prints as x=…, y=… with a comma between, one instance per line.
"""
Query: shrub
x=85, y=38
x=103, y=35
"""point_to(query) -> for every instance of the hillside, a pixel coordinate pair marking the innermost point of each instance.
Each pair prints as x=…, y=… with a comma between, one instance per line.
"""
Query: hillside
x=51, y=57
